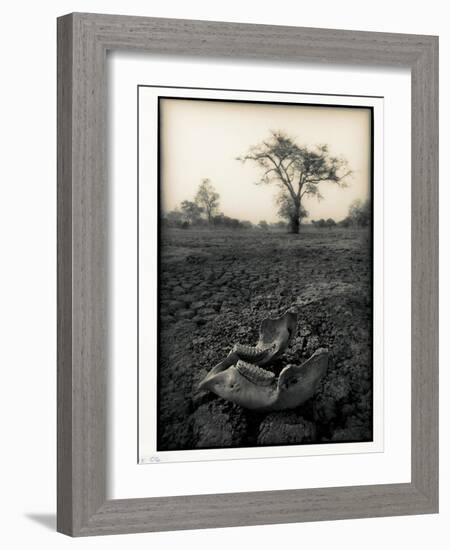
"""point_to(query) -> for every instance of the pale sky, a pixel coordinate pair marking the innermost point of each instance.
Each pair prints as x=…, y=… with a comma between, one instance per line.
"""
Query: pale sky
x=201, y=139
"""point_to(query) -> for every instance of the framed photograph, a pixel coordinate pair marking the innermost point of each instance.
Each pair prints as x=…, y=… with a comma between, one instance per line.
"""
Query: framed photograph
x=247, y=274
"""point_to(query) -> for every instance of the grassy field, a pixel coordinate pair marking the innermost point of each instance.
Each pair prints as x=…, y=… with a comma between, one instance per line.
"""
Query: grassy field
x=215, y=288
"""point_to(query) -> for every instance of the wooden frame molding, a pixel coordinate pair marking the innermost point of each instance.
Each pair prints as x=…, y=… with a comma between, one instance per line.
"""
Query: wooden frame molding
x=83, y=40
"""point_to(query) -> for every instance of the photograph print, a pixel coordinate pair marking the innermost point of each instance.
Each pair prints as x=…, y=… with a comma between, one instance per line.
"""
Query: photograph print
x=265, y=273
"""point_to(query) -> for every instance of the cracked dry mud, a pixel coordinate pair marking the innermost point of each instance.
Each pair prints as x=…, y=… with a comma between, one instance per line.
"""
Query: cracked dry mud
x=217, y=286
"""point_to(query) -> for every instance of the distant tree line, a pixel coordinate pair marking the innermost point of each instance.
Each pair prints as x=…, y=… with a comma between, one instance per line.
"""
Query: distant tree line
x=220, y=220
x=359, y=215
x=324, y=223
x=204, y=211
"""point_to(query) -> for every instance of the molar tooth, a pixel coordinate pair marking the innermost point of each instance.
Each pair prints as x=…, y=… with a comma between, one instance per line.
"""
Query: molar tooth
x=255, y=374
x=249, y=352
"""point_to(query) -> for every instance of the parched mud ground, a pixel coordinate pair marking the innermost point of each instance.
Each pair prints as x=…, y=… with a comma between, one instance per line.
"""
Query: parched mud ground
x=217, y=286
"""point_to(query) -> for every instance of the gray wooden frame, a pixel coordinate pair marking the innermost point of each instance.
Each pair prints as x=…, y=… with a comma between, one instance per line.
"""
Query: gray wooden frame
x=83, y=40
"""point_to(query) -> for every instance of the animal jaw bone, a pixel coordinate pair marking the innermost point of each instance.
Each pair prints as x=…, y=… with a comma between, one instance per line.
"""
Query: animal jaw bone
x=241, y=379
x=245, y=384
x=274, y=337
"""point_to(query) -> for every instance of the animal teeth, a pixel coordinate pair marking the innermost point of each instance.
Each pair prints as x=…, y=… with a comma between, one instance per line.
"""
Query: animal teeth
x=253, y=353
x=255, y=374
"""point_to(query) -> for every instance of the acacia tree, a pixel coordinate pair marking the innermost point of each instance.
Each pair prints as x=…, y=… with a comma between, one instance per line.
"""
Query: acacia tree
x=191, y=211
x=296, y=170
x=207, y=198
x=360, y=213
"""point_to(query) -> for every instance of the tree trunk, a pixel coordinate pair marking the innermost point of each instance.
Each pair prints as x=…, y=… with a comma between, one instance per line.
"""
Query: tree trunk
x=294, y=225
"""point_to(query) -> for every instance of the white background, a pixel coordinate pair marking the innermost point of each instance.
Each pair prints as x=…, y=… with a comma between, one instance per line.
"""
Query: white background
x=28, y=299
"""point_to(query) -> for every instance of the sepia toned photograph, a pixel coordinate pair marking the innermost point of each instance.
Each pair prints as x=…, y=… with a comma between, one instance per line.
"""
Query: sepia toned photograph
x=265, y=274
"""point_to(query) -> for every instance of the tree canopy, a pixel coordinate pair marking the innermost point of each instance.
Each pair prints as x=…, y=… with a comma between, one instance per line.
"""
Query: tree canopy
x=207, y=199
x=359, y=214
x=296, y=170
